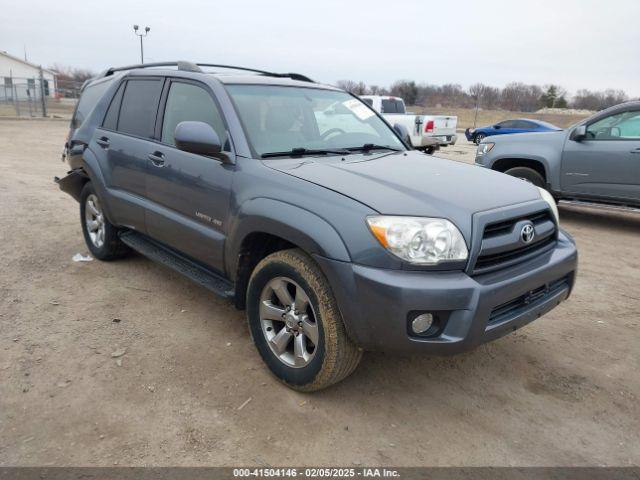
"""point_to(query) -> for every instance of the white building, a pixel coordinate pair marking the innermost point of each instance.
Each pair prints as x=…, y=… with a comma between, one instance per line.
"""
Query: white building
x=21, y=80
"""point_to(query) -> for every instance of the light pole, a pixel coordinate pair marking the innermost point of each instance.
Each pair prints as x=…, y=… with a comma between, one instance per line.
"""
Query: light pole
x=146, y=32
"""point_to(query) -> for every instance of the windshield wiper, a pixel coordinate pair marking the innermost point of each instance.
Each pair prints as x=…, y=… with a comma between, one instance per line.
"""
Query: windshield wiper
x=300, y=151
x=367, y=147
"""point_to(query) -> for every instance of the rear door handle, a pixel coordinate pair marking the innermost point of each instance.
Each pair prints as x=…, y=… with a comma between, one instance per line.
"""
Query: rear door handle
x=103, y=142
x=636, y=151
x=157, y=158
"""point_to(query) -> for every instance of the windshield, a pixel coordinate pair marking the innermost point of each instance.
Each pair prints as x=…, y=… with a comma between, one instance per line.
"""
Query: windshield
x=308, y=120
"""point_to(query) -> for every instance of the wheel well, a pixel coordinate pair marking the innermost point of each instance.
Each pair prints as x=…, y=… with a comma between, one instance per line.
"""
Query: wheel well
x=254, y=248
x=505, y=164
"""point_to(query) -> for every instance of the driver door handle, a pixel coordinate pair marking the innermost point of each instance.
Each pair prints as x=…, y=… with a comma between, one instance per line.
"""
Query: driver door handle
x=157, y=158
x=636, y=151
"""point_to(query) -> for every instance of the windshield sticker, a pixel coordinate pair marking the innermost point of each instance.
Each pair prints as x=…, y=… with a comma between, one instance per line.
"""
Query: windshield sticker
x=358, y=108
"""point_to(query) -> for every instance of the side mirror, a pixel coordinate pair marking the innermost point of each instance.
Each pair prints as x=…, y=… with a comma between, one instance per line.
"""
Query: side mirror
x=403, y=133
x=198, y=138
x=497, y=127
x=579, y=133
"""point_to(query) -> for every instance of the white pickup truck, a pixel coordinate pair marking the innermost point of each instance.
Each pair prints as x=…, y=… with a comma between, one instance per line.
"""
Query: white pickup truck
x=427, y=132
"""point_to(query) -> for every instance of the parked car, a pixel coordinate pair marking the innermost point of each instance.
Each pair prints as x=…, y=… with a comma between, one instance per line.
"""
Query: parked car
x=596, y=160
x=506, y=127
x=426, y=132
x=332, y=235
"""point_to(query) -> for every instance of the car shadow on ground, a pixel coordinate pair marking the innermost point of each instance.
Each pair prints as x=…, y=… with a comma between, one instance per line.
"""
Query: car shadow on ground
x=594, y=217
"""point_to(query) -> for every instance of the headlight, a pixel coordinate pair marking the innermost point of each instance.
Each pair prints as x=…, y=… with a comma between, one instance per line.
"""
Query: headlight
x=547, y=197
x=419, y=240
x=484, y=148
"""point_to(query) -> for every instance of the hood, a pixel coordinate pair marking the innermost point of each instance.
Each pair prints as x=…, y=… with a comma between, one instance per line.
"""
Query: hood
x=412, y=183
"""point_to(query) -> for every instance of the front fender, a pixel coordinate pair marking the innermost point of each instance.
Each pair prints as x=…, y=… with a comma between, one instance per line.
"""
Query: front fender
x=301, y=227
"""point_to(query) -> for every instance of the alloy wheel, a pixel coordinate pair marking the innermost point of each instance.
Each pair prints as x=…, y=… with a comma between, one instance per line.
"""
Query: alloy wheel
x=94, y=220
x=288, y=322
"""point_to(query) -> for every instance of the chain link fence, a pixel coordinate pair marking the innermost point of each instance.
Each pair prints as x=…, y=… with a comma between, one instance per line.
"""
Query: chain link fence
x=35, y=97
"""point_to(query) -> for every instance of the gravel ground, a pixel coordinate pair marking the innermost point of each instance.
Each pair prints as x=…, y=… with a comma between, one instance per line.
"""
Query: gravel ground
x=190, y=388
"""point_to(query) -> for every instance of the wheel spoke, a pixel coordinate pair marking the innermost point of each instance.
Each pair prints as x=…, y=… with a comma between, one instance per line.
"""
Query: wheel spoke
x=280, y=289
x=92, y=208
x=301, y=356
x=281, y=340
x=269, y=311
x=302, y=301
x=93, y=225
x=310, y=329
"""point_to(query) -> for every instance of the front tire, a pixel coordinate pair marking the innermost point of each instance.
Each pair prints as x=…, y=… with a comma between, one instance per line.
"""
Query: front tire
x=295, y=323
x=100, y=235
x=478, y=138
x=528, y=175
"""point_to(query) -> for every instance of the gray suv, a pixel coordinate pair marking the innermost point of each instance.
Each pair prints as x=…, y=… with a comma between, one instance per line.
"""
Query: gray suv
x=303, y=206
x=594, y=161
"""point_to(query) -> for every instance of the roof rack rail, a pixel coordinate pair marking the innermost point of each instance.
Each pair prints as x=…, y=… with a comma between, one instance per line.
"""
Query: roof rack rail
x=182, y=65
x=195, y=67
x=291, y=75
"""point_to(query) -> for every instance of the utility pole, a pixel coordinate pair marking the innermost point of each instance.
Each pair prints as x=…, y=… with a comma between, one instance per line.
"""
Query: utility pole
x=146, y=32
x=42, y=97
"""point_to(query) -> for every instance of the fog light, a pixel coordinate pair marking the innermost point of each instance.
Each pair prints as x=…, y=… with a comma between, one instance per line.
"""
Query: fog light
x=422, y=323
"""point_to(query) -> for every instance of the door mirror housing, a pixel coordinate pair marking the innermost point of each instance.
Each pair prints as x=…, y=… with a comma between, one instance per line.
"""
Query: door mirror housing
x=579, y=133
x=497, y=127
x=403, y=133
x=197, y=137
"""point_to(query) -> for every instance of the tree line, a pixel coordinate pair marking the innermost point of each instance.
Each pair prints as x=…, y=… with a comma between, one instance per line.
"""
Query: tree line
x=69, y=80
x=515, y=96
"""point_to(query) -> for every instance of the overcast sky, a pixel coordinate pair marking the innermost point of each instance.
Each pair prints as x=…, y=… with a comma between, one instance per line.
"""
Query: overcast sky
x=591, y=44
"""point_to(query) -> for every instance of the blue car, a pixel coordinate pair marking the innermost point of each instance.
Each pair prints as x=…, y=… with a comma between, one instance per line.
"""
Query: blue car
x=519, y=125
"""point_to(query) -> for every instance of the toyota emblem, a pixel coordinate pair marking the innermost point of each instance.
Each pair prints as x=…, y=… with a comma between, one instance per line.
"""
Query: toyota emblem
x=527, y=233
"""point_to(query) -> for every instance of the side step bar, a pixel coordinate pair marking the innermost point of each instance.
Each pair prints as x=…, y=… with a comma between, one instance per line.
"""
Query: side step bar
x=167, y=257
x=599, y=206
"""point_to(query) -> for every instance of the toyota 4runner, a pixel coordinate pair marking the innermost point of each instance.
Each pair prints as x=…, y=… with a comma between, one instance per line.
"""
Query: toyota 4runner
x=302, y=205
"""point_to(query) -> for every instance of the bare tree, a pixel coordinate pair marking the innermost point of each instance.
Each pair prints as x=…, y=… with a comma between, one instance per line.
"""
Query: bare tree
x=357, y=88
x=407, y=89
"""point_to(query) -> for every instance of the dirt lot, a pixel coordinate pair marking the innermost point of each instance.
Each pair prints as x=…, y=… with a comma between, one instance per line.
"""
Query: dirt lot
x=562, y=391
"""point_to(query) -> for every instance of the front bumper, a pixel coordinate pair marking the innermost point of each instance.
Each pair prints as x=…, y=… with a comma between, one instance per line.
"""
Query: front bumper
x=376, y=304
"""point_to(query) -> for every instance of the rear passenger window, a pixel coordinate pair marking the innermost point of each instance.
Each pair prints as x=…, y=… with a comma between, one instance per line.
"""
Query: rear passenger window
x=187, y=102
x=111, y=118
x=139, y=107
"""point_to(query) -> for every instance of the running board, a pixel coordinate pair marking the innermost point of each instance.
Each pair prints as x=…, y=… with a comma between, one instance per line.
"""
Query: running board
x=168, y=258
x=600, y=206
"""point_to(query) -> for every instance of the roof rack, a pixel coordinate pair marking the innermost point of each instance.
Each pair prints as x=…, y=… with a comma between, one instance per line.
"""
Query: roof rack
x=195, y=67
x=291, y=75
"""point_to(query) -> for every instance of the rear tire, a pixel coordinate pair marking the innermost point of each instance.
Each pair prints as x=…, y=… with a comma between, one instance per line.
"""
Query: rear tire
x=296, y=325
x=100, y=235
x=528, y=175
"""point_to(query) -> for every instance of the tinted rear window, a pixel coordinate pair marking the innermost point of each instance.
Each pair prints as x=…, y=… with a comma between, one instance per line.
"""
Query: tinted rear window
x=89, y=98
x=392, y=106
x=111, y=119
x=139, y=107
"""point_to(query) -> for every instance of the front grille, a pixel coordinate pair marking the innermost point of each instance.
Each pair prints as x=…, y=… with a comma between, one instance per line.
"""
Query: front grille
x=502, y=247
x=517, y=306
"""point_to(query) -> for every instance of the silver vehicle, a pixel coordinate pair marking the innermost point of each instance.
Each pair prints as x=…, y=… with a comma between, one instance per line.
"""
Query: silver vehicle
x=596, y=160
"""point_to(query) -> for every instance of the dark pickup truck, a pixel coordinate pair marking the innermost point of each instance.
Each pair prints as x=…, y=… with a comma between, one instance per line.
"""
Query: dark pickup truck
x=306, y=208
